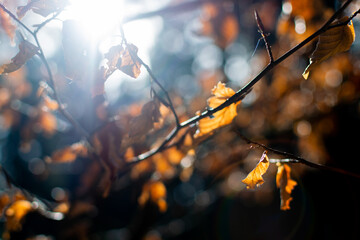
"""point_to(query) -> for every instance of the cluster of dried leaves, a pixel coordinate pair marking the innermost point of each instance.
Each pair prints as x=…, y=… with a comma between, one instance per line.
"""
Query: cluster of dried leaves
x=117, y=141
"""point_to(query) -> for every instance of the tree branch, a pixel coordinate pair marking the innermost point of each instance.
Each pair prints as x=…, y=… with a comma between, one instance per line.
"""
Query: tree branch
x=243, y=91
x=50, y=75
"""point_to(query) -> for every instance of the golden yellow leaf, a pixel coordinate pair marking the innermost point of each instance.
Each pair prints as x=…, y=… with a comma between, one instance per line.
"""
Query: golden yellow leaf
x=222, y=117
x=26, y=51
x=331, y=42
x=6, y=24
x=254, y=178
x=286, y=185
x=15, y=213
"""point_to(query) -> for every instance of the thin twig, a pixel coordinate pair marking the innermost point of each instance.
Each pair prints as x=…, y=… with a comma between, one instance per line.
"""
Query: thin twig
x=41, y=25
x=291, y=158
x=153, y=77
x=264, y=35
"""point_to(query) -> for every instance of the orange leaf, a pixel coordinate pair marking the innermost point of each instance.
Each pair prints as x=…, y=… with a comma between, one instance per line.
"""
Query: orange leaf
x=15, y=213
x=222, y=117
x=26, y=51
x=331, y=42
x=254, y=178
x=286, y=185
x=7, y=25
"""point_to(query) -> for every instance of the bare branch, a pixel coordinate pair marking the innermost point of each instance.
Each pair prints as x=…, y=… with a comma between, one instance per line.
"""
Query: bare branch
x=263, y=35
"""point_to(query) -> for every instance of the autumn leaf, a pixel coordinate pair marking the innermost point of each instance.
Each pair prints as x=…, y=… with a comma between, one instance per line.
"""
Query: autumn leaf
x=126, y=63
x=254, y=178
x=26, y=51
x=41, y=7
x=15, y=213
x=155, y=192
x=286, y=185
x=331, y=42
x=222, y=117
x=7, y=25
x=69, y=153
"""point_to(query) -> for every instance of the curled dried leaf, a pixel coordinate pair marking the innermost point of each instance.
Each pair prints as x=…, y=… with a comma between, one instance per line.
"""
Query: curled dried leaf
x=286, y=185
x=129, y=63
x=254, y=178
x=26, y=51
x=222, y=117
x=331, y=42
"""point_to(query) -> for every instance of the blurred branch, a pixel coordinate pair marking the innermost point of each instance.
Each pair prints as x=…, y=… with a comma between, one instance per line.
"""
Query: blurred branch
x=51, y=81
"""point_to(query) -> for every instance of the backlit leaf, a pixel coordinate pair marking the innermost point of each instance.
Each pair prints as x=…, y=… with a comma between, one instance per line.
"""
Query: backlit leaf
x=222, y=117
x=254, y=178
x=286, y=185
x=128, y=63
x=7, y=25
x=26, y=51
x=331, y=42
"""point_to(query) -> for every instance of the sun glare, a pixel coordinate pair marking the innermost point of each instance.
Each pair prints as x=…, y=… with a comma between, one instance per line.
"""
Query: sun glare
x=98, y=18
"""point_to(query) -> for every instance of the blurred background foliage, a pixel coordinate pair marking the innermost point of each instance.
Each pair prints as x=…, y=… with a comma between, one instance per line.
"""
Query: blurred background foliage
x=190, y=47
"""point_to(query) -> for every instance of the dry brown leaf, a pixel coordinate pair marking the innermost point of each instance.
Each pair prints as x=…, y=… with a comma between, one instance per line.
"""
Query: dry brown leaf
x=286, y=185
x=7, y=25
x=331, y=42
x=254, y=178
x=155, y=192
x=15, y=213
x=126, y=63
x=26, y=51
x=41, y=7
x=222, y=117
